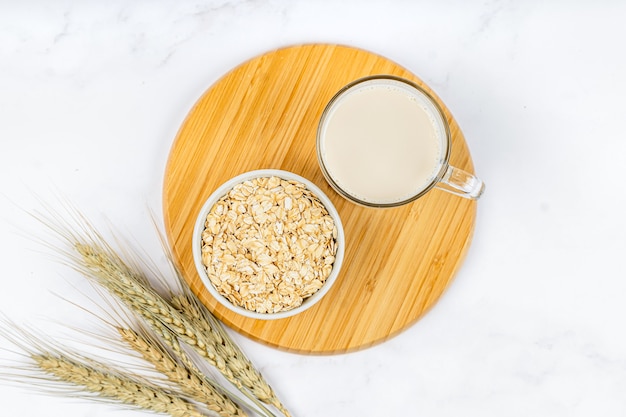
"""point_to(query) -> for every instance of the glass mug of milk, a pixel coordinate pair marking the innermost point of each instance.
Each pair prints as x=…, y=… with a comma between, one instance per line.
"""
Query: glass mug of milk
x=383, y=141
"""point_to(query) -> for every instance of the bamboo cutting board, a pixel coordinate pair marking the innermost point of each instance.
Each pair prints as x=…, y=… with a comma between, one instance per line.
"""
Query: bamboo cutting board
x=264, y=114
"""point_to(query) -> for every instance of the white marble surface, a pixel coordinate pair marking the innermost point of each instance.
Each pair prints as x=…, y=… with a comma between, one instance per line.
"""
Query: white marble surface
x=92, y=94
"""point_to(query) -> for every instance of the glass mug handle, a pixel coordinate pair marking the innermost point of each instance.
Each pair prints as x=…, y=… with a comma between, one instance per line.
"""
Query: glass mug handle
x=461, y=183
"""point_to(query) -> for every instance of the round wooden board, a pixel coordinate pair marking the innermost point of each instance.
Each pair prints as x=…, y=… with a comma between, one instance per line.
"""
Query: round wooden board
x=264, y=114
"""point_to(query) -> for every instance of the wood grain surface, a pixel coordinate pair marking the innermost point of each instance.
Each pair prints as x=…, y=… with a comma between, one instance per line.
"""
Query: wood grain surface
x=264, y=114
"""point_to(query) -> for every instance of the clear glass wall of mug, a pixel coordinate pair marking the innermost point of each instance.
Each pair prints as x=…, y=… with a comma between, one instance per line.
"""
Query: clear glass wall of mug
x=383, y=141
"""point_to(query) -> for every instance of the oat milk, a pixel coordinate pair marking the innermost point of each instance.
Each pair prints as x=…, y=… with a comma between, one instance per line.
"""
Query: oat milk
x=382, y=142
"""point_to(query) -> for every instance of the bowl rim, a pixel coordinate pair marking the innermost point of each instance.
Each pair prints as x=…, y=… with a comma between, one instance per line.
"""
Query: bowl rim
x=221, y=191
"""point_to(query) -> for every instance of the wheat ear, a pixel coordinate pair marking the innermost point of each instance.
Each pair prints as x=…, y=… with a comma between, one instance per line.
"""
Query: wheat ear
x=238, y=362
x=108, y=384
x=190, y=381
x=100, y=263
x=185, y=304
x=53, y=366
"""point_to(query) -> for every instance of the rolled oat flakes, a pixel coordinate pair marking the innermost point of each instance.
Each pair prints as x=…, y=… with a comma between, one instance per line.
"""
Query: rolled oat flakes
x=268, y=244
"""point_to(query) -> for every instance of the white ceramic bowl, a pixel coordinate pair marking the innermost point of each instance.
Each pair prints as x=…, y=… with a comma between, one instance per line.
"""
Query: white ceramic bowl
x=223, y=190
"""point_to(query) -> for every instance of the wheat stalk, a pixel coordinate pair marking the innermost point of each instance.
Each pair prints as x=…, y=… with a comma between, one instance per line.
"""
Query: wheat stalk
x=100, y=263
x=90, y=254
x=189, y=305
x=61, y=370
x=191, y=381
x=185, y=305
x=108, y=384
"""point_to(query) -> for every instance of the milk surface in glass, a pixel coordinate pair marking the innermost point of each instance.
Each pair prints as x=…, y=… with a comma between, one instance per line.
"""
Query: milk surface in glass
x=382, y=141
